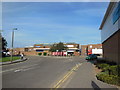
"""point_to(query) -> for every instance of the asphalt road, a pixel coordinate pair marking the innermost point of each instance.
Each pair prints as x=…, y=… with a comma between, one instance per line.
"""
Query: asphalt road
x=51, y=72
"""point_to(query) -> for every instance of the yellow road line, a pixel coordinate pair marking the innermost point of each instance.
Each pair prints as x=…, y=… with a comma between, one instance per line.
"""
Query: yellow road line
x=63, y=78
x=61, y=81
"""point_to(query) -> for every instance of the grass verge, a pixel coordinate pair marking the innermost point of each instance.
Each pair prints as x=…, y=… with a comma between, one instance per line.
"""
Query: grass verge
x=5, y=59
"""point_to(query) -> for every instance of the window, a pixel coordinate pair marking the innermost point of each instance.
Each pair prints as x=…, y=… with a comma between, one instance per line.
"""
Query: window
x=116, y=13
x=77, y=50
x=38, y=50
x=90, y=46
x=26, y=49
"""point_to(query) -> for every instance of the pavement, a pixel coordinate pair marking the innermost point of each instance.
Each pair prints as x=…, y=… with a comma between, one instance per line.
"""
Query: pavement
x=52, y=72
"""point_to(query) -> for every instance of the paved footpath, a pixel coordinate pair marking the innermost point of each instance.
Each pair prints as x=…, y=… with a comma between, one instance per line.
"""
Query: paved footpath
x=84, y=77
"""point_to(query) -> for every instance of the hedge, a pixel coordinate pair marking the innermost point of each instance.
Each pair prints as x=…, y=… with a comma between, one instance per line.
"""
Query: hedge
x=110, y=73
x=44, y=53
x=112, y=69
x=105, y=61
x=39, y=54
x=103, y=66
x=110, y=79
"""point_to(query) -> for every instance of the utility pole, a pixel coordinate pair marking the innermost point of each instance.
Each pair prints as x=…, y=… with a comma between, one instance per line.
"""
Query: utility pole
x=12, y=43
x=1, y=42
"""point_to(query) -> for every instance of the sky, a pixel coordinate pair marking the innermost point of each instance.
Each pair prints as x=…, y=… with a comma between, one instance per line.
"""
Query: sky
x=51, y=22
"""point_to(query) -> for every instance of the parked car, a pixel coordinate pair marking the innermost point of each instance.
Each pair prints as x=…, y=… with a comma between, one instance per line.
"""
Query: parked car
x=91, y=57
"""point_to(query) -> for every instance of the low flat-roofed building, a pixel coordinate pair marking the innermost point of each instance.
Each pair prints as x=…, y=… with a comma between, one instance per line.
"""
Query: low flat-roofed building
x=44, y=48
x=25, y=51
x=110, y=33
x=85, y=48
x=73, y=49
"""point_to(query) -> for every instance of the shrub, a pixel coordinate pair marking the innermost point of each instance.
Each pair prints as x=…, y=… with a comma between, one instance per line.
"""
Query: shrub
x=114, y=70
x=110, y=79
x=110, y=72
x=101, y=61
x=39, y=54
x=101, y=76
x=103, y=66
x=45, y=54
x=105, y=61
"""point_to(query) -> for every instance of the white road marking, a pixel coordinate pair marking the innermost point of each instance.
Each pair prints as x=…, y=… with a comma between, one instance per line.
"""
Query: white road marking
x=20, y=68
x=27, y=69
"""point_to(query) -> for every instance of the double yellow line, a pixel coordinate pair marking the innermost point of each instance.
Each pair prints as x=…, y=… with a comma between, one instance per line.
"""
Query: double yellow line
x=61, y=81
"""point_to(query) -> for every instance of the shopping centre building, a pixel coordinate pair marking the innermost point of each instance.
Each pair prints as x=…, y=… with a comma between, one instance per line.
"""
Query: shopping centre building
x=110, y=33
x=72, y=49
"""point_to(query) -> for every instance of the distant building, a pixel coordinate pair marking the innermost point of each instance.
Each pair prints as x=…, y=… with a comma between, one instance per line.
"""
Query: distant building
x=73, y=49
x=110, y=33
x=86, y=48
x=26, y=51
x=42, y=48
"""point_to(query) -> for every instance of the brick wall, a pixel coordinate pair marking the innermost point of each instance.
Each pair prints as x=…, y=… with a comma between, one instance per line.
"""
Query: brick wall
x=76, y=53
x=111, y=48
x=83, y=49
x=90, y=46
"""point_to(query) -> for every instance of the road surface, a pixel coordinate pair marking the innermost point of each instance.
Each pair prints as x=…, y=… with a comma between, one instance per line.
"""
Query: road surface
x=51, y=72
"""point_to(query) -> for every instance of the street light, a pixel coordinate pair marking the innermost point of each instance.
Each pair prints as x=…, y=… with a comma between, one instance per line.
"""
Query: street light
x=1, y=41
x=1, y=32
x=12, y=43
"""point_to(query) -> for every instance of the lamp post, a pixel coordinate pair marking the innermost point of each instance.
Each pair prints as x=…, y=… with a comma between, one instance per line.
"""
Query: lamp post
x=1, y=32
x=12, y=43
x=1, y=42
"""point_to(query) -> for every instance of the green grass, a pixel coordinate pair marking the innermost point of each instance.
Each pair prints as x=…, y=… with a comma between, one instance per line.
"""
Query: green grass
x=5, y=59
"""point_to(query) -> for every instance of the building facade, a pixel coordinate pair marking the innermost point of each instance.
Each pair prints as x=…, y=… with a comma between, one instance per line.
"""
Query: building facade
x=110, y=33
x=42, y=48
x=86, y=48
x=25, y=51
x=72, y=49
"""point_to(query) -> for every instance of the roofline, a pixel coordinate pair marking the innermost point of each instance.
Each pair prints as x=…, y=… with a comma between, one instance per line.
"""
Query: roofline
x=106, y=14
